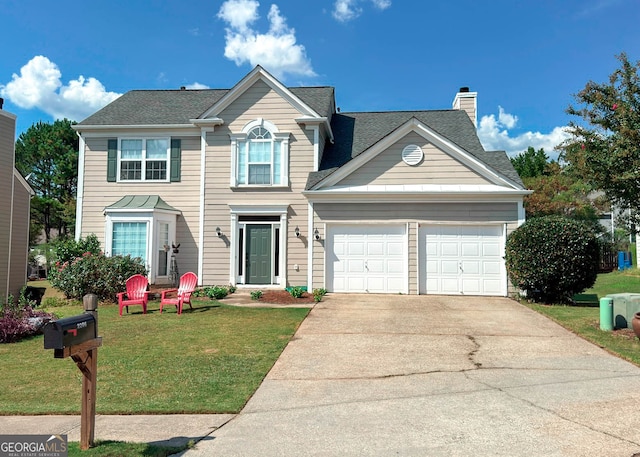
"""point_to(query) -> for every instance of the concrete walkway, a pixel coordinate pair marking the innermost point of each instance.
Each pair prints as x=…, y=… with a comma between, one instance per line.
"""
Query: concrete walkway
x=372, y=375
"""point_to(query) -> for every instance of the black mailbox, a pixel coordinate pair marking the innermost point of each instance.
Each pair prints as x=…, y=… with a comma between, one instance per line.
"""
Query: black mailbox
x=69, y=331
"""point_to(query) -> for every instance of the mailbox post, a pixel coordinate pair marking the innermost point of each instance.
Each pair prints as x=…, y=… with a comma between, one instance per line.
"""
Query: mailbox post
x=77, y=337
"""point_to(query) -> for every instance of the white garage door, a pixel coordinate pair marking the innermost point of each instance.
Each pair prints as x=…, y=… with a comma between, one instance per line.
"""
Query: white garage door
x=363, y=258
x=462, y=260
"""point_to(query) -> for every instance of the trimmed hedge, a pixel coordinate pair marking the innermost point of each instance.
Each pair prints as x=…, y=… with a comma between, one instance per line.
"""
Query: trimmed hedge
x=552, y=258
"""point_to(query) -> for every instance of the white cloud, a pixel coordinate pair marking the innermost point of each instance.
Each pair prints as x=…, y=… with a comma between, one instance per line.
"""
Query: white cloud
x=348, y=10
x=39, y=86
x=495, y=136
x=275, y=50
x=197, y=85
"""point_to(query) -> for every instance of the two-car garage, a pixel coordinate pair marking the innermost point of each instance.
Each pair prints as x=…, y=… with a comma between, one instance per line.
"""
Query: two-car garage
x=451, y=259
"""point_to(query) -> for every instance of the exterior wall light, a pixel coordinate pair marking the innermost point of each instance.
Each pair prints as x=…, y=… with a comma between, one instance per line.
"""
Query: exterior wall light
x=316, y=234
x=297, y=232
x=218, y=232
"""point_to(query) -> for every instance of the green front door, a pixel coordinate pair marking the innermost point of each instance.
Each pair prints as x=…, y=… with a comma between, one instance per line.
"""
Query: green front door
x=258, y=254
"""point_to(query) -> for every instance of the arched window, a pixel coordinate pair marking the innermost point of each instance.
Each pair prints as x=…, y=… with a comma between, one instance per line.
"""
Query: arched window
x=261, y=155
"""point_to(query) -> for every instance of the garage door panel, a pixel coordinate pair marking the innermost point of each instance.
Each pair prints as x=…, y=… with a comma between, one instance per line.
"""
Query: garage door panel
x=395, y=267
x=375, y=266
x=471, y=267
x=465, y=259
x=491, y=268
x=449, y=249
x=375, y=248
x=449, y=267
x=374, y=258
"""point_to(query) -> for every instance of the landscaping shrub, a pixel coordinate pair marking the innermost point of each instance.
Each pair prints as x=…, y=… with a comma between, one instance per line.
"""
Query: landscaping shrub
x=552, y=258
x=296, y=292
x=256, y=294
x=18, y=321
x=318, y=294
x=68, y=249
x=95, y=274
x=217, y=292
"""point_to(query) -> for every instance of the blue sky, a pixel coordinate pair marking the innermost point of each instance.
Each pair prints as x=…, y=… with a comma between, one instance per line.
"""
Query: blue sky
x=524, y=58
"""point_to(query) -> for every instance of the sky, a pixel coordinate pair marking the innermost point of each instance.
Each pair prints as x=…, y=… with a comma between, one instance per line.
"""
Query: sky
x=525, y=58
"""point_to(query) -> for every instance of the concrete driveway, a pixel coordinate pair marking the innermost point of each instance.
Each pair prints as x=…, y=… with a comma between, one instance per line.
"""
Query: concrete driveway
x=372, y=375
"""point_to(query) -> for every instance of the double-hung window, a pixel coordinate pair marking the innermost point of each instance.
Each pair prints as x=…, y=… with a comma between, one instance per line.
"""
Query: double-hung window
x=261, y=156
x=143, y=159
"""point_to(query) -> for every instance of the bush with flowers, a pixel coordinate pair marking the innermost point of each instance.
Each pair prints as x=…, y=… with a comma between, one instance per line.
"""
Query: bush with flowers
x=92, y=272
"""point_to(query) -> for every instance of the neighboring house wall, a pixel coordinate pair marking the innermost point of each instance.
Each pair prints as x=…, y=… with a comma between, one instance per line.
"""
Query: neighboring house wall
x=7, y=138
x=19, y=234
x=15, y=195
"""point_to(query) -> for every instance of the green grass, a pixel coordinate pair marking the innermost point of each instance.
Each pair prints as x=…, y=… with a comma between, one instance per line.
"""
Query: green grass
x=209, y=360
x=585, y=321
x=118, y=448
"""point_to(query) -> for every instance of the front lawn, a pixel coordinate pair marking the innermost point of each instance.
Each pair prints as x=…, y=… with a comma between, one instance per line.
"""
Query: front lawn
x=585, y=321
x=209, y=360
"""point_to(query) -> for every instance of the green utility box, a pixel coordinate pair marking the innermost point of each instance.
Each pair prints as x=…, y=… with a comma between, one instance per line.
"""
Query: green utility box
x=624, y=307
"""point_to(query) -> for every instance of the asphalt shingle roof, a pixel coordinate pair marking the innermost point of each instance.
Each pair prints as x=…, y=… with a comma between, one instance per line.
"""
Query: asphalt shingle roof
x=149, y=107
x=357, y=132
x=354, y=132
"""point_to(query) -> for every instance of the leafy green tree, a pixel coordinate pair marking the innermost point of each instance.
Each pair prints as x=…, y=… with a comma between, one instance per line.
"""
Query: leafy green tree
x=48, y=155
x=531, y=163
x=604, y=148
x=561, y=193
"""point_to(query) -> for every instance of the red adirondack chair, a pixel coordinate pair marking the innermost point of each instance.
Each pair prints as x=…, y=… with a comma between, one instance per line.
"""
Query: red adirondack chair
x=182, y=294
x=136, y=293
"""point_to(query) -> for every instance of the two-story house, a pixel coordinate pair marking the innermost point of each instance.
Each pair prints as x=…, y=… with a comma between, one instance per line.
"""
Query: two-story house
x=15, y=205
x=264, y=185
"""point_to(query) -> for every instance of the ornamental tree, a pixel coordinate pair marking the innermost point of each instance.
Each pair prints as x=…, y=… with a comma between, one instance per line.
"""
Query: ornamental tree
x=604, y=147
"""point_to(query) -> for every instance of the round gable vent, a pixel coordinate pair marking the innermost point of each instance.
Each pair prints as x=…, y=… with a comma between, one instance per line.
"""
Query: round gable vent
x=412, y=154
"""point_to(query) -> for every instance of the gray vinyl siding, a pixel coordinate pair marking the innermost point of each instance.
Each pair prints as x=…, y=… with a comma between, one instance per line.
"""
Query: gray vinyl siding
x=19, y=237
x=415, y=214
x=437, y=167
x=7, y=138
x=259, y=101
x=183, y=195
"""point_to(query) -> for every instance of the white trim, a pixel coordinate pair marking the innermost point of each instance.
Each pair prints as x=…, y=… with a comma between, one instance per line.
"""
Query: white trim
x=201, y=209
x=522, y=214
x=233, y=255
x=257, y=210
x=310, y=240
x=143, y=160
x=316, y=145
x=80, y=191
x=399, y=197
x=84, y=127
x=419, y=266
x=284, y=230
x=442, y=143
x=21, y=180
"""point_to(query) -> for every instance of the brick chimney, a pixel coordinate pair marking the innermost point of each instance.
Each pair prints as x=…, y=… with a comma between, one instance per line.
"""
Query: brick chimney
x=467, y=101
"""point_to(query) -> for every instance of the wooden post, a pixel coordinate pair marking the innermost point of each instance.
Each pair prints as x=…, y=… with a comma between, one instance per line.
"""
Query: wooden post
x=89, y=377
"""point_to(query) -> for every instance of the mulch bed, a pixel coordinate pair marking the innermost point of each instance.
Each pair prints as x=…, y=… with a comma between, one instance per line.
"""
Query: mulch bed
x=282, y=297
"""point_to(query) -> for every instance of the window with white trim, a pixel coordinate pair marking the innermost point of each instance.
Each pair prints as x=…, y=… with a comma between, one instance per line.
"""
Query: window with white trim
x=129, y=238
x=143, y=159
x=261, y=156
